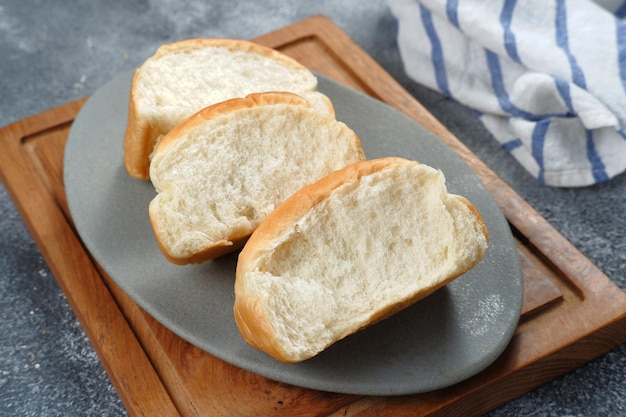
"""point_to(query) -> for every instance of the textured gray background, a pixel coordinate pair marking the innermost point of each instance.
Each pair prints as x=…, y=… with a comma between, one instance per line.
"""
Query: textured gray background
x=55, y=52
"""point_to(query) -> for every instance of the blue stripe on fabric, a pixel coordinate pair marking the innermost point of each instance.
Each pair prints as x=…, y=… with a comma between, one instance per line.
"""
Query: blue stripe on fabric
x=452, y=11
x=621, y=50
x=538, y=139
x=497, y=83
x=562, y=39
x=621, y=11
x=510, y=43
x=512, y=144
x=597, y=166
x=436, y=51
x=562, y=87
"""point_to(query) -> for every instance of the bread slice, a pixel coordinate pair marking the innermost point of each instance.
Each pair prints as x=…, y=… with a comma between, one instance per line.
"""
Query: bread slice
x=223, y=170
x=349, y=250
x=182, y=78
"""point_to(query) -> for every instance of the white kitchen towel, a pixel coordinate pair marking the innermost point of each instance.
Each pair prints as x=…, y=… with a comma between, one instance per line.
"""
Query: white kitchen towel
x=547, y=77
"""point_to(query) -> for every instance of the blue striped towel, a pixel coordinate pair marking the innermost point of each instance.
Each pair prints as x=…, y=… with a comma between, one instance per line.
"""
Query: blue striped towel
x=547, y=77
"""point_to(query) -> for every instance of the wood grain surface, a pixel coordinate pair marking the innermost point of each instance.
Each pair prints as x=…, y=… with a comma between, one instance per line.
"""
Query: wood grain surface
x=572, y=312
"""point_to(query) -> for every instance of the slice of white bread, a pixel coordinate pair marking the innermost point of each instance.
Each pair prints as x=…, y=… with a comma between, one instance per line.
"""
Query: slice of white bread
x=350, y=250
x=182, y=78
x=223, y=170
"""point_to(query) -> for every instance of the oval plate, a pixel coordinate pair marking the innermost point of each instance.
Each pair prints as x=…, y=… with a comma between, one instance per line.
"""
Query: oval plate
x=445, y=338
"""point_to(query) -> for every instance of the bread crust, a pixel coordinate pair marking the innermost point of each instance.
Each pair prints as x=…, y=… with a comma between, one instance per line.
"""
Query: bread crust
x=191, y=44
x=249, y=313
x=140, y=137
x=137, y=139
x=223, y=108
x=216, y=250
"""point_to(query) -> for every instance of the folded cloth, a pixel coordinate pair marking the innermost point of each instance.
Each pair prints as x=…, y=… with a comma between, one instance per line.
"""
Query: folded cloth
x=547, y=78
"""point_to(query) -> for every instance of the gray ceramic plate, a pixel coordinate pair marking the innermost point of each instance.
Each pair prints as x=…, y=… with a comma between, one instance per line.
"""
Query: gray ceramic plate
x=446, y=338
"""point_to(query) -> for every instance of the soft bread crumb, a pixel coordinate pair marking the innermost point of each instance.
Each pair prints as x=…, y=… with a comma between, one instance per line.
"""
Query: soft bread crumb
x=183, y=77
x=373, y=243
x=174, y=86
x=220, y=178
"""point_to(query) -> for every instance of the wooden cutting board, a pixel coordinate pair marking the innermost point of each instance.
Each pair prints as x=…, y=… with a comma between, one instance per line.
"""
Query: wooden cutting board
x=572, y=312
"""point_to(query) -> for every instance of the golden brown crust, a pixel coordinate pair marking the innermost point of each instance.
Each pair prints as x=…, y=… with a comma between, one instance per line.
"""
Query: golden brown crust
x=223, y=108
x=216, y=250
x=138, y=140
x=251, y=330
x=249, y=316
x=231, y=44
